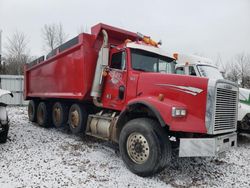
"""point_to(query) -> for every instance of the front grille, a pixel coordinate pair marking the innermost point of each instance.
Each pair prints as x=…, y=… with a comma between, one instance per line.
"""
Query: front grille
x=225, y=110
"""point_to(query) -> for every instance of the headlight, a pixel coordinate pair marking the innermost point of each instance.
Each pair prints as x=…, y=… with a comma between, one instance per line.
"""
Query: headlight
x=178, y=112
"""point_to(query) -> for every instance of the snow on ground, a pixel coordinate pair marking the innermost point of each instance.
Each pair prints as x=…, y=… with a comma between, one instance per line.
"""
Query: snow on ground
x=39, y=157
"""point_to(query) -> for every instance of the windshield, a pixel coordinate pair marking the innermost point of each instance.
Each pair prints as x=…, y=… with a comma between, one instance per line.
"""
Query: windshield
x=244, y=94
x=209, y=72
x=151, y=62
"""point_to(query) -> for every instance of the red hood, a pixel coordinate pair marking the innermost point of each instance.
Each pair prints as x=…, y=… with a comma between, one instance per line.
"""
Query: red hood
x=179, y=90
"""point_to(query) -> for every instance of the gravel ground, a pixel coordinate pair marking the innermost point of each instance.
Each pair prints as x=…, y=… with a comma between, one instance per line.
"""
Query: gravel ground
x=39, y=157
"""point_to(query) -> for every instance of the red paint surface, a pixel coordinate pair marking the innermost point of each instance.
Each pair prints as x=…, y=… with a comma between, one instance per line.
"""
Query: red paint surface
x=195, y=105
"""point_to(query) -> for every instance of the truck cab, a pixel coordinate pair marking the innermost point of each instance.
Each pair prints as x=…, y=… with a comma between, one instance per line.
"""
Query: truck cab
x=196, y=66
x=127, y=63
x=140, y=82
x=203, y=67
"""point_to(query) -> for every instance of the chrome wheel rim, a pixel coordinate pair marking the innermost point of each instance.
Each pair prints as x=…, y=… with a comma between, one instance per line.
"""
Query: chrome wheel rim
x=40, y=115
x=57, y=114
x=138, y=148
x=75, y=118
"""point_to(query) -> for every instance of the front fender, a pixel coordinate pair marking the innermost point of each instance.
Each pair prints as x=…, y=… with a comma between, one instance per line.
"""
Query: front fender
x=161, y=109
x=5, y=92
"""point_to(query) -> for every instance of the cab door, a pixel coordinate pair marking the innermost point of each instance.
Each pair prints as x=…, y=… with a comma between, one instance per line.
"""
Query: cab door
x=114, y=91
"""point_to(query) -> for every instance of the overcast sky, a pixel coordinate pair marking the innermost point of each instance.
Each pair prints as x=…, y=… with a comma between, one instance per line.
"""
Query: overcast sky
x=206, y=27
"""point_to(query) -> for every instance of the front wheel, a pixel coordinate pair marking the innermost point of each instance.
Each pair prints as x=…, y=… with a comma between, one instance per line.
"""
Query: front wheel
x=244, y=125
x=145, y=147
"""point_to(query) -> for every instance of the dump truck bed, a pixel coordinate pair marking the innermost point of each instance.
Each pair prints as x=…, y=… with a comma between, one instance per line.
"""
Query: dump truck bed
x=69, y=74
x=68, y=71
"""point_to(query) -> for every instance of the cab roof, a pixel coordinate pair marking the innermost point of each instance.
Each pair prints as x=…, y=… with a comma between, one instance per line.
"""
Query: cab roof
x=149, y=48
x=194, y=60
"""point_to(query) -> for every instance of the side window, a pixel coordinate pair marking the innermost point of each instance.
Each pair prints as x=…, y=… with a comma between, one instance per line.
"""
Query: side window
x=180, y=70
x=118, y=61
x=164, y=67
x=191, y=71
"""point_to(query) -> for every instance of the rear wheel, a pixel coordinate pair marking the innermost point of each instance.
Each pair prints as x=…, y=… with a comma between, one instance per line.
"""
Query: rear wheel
x=59, y=114
x=44, y=114
x=4, y=133
x=145, y=147
x=77, y=118
x=32, y=109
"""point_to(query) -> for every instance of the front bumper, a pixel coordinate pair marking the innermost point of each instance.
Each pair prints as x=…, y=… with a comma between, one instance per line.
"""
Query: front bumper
x=207, y=147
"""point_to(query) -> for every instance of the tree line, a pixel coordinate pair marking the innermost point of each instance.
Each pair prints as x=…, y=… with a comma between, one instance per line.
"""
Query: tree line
x=237, y=69
x=17, y=54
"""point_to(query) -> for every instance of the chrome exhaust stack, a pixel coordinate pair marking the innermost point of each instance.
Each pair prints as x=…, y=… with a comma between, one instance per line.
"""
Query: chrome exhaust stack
x=102, y=62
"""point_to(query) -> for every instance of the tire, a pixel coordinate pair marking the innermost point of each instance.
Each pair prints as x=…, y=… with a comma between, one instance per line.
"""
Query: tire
x=4, y=133
x=32, y=109
x=59, y=114
x=44, y=114
x=77, y=118
x=150, y=157
x=244, y=125
x=166, y=147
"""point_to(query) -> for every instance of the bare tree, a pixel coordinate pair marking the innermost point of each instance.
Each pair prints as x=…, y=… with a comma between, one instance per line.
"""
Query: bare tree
x=238, y=69
x=220, y=64
x=61, y=36
x=243, y=66
x=49, y=36
x=17, y=53
x=53, y=36
x=247, y=71
x=232, y=72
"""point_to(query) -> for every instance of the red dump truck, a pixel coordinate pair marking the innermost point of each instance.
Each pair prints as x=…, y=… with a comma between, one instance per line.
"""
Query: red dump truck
x=120, y=86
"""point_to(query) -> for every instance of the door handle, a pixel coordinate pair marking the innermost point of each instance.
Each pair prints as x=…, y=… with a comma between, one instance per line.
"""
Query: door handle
x=121, y=92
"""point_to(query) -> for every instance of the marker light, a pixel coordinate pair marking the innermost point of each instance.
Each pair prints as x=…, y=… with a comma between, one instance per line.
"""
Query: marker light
x=183, y=112
x=178, y=112
x=127, y=41
x=175, y=55
x=161, y=97
x=104, y=73
x=147, y=40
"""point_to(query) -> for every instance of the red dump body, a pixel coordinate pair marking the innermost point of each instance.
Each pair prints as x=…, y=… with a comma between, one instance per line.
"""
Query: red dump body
x=77, y=60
